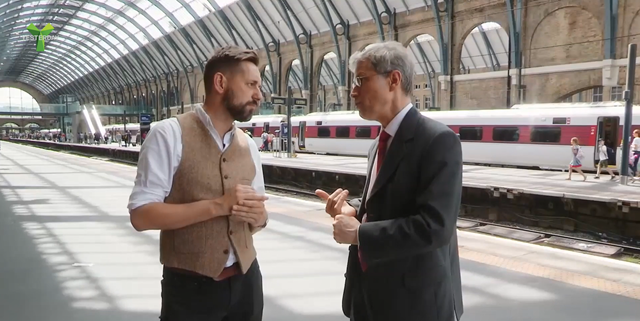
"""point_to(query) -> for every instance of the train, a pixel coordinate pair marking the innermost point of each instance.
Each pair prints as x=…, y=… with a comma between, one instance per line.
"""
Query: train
x=527, y=135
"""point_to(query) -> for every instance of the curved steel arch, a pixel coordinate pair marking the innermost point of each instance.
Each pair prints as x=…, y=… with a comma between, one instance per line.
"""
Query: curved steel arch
x=119, y=13
x=59, y=66
x=75, y=41
x=81, y=9
x=175, y=21
x=106, y=49
x=42, y=69
x=47, y=83
x=98, y=56
x=114, y=72
x=182, y=30
x=155, y=44
x=90, y=22
x=73, y=61
x=168, y=37
x=115, y=36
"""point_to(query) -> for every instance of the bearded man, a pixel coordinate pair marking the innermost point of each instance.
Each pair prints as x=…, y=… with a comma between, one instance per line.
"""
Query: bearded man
x=200, y=183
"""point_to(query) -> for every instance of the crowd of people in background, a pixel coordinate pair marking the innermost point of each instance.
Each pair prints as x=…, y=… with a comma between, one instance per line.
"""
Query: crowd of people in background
x=603, y=154
x=37, y=135
x=125, y=139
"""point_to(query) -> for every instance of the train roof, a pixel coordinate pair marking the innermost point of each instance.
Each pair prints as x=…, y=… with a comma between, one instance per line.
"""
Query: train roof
x=547, y=111
x=532, y=114
x=570, y=105
x=272, y=118
x=526, y=113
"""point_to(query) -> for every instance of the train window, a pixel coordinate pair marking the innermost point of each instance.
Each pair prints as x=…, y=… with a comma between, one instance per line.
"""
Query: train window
x=506, y=134
x=545, y=134
x=363, y=132
x=342, y=132
x=470, y=133
x=319, y=123
x=559, y=121
x=324, y=132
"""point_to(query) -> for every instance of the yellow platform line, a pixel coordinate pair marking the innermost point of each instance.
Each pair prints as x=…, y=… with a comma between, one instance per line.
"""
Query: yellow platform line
x=564, y=276
x=538, y=270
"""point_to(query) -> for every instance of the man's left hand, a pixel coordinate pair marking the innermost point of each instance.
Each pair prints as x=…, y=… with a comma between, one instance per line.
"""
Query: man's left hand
x=252, y=212
x=345, y=229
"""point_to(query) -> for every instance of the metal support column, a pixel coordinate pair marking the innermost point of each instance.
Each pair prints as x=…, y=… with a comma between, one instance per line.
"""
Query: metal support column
x=628, y=112
x=610, y=28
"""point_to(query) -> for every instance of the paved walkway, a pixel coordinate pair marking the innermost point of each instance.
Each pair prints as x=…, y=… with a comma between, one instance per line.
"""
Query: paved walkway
x=68, y=253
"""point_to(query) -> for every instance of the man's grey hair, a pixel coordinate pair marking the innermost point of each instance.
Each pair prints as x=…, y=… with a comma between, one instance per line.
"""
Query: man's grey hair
x=386, y=57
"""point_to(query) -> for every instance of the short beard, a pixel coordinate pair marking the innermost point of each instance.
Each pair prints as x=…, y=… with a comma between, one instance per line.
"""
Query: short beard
x=239, y=111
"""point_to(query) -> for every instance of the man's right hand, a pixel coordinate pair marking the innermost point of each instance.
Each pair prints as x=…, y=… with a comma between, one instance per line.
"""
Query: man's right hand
x=336, y=203
x=238, y=195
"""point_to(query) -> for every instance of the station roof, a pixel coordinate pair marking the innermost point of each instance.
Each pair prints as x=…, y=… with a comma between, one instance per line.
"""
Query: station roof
x=109, y=44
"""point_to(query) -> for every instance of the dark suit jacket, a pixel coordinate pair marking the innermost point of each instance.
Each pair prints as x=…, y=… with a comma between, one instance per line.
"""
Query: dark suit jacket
x=409, y=242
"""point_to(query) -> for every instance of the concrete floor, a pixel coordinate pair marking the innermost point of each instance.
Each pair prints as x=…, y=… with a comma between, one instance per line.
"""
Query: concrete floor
x=68, y=253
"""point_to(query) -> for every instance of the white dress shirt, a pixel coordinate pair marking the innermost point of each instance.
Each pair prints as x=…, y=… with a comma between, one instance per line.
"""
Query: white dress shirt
x=391, y=129
x=160, y=156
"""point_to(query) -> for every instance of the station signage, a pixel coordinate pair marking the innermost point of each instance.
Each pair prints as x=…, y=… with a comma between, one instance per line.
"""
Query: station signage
x=277, y=100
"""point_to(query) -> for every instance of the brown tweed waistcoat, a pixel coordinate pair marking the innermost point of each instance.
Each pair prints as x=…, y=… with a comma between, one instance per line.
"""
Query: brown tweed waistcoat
x=206, y=173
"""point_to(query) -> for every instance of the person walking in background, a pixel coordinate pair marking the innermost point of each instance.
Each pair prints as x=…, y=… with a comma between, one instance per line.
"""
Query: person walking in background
x=576, y=161
x=603, y=160
x=635, y=151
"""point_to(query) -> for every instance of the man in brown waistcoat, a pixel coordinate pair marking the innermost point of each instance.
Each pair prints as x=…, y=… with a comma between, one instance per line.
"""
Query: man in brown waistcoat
x=200, y=183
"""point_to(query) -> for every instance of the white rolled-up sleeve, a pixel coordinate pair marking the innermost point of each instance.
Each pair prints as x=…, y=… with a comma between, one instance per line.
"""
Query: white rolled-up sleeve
x=158, y=161
x=258, y=180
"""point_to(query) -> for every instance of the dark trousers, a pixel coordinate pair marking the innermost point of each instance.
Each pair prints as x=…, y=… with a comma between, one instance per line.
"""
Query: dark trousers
x=199, y=298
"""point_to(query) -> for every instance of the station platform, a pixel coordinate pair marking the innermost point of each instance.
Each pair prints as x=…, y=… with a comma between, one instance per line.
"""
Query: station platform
x=69, y=253
x=602, y=209
x=538, y=182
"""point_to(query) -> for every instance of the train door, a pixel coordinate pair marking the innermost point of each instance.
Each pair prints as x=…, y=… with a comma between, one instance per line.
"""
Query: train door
x=302, y=126
x=608, y=130
x=265, y=127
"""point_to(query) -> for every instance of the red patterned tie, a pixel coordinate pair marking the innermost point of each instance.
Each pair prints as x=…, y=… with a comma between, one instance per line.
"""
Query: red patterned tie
x=382, y=150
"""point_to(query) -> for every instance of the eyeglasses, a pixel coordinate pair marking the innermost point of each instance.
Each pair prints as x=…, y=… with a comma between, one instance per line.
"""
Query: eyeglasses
x=357, y=81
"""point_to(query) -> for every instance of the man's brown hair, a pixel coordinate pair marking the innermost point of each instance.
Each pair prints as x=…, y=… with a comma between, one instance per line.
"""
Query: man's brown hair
x=226, y=59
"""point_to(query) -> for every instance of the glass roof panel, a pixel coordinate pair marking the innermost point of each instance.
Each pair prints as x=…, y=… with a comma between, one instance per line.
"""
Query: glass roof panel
x=112, y=3
x=129, y=21
x=202, y=8
x=183, y=16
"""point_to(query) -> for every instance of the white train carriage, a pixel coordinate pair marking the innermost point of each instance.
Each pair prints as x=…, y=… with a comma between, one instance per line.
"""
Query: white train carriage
x=535, y=135
x=349, y=134
x=262, y=123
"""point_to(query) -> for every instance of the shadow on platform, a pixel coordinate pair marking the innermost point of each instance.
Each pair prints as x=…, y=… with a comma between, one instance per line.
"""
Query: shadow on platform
x=119, y=274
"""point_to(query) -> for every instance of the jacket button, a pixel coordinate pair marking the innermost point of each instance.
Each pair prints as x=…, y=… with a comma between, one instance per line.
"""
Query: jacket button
x=224, y=160
x=225, y=251
x=230, y=232
x=226, y=176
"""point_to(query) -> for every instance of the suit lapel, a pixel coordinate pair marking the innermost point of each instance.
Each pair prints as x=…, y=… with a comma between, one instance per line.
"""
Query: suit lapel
x=396, y=150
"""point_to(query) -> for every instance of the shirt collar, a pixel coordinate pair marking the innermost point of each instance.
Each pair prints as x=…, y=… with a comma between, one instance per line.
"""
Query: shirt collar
x=394, y=124
x=204, y=117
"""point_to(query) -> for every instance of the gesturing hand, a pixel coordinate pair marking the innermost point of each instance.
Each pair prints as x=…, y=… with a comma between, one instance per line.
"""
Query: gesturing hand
x=336, y=203
x=252, y=212
x=345, y=229
x=239, y=194
x=249, y=206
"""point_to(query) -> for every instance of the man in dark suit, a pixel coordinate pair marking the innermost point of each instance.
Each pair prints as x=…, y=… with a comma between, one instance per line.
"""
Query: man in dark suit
x=403, y=256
